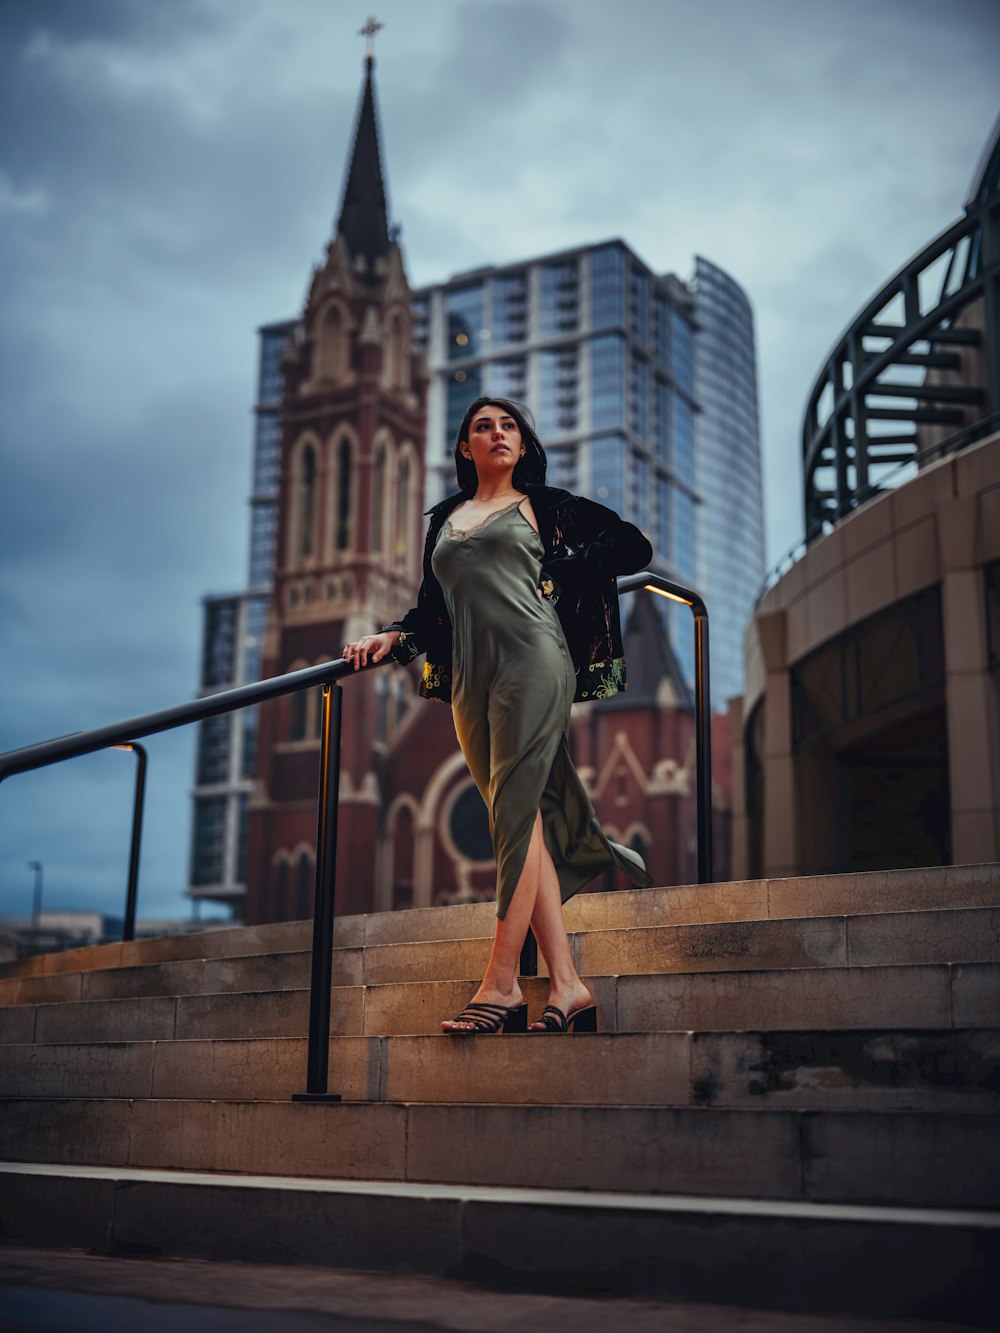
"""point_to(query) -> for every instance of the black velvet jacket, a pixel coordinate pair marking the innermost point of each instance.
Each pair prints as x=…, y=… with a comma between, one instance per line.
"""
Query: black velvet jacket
x=586, y=547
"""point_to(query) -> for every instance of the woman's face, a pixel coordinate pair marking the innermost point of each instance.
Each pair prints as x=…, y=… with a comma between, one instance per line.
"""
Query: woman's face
x=494, y=444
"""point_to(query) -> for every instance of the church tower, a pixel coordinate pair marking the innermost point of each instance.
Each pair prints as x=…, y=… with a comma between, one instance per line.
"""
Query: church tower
x=348, y=541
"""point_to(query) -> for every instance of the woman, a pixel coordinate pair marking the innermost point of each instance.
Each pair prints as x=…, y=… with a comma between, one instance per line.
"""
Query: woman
x=518, y=616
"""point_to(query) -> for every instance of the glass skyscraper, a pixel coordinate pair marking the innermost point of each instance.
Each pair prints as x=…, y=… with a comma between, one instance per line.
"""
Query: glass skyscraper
x=731, y=521
x=601, y=349
x=232, y=640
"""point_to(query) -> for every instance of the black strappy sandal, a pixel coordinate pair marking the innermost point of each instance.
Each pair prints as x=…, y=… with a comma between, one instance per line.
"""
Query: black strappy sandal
x=580, y=1020
x=489, y=1018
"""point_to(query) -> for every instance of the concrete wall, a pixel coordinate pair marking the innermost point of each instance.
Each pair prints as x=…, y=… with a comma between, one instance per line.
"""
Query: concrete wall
x=940, y=529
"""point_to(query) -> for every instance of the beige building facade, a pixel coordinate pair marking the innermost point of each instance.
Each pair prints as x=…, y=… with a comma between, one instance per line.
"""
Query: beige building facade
x=870, y=725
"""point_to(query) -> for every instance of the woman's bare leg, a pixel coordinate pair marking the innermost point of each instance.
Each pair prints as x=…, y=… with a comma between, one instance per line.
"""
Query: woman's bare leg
x=566, y=991
x=535, y=901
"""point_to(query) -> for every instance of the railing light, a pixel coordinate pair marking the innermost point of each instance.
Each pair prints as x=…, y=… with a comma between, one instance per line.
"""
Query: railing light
x=648, y=587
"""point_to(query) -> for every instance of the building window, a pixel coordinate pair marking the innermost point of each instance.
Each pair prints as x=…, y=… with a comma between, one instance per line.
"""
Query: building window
x=663, y=521
x=242, y=826
x=463, y=387
x=557, y=399
x=253, y=637
x=214, y=737
x=638, y=398
x=420, y=312
x=303, y=886
x=510, y=312
x=464, y=321
x=344, y=495
x=279, y=889
x=263, y=542
x=607, y=286
x=682, y=437
x=248, y=765
x=403, y=508
x=402, y=701
x=378, y=497
x=267, y=454
x=208, y=846
x=638, y=291
x=991, y=577
x=661, y=423
x=507, y=378
x=640, y=491
x=562, y=467
x=218, y=662
x=661, y=332
x=307, y=501
x=682, y=338
x=607, y=380
x=683, y=551
x=381, y=707
x=559, y=299
x=298, y=710
x=607, y=469
x=272, y=379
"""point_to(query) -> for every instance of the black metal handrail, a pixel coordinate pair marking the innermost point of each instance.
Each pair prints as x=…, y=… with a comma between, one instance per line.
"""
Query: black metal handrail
x=327, y=675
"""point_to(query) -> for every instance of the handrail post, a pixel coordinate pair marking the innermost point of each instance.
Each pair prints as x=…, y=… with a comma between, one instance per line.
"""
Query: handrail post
x=131, y=897
x=703, y=745
x=677, y=592
x=318, y=1060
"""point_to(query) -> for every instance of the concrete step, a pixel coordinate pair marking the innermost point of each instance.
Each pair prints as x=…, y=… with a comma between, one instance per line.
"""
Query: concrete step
x=777, y=1255
x=851, y=1070
x=739, y=900
x=961, y=935
x=933, y=996
x=919, y=1158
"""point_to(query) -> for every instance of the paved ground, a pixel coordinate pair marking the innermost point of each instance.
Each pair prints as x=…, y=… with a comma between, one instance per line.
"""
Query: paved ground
x=68, y=1292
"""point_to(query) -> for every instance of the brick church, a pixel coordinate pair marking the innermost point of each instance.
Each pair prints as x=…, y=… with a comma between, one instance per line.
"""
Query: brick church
x=413, y=829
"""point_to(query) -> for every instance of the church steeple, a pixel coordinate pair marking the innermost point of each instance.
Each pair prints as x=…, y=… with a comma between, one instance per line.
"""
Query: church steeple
x=363, y=222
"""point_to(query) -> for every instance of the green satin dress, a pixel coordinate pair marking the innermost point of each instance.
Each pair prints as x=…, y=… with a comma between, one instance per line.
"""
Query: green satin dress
x=512, y=687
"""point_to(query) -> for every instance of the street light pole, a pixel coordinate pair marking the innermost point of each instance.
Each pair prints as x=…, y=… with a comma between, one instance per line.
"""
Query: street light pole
x=36, y=901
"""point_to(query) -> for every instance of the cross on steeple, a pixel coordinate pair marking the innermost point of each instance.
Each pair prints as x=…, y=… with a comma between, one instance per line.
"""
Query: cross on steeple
x=368, y=31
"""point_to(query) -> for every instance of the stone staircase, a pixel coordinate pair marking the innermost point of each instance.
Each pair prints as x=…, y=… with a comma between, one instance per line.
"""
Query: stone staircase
x=792, y=1102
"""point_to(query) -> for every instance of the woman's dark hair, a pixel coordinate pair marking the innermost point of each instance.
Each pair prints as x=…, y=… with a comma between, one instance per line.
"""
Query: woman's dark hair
x=530, y=469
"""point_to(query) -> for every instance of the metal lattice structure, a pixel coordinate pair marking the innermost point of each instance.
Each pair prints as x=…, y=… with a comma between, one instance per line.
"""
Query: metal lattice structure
x=920, y=361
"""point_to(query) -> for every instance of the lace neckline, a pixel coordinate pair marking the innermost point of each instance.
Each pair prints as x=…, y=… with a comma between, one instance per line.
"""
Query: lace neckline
x=461, y=534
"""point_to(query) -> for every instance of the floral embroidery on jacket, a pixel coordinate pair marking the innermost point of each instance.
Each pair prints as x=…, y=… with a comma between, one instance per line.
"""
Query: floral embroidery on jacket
x=603, y=679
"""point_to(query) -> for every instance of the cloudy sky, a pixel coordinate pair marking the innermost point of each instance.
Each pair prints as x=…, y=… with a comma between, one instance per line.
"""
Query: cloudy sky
x=169, y=172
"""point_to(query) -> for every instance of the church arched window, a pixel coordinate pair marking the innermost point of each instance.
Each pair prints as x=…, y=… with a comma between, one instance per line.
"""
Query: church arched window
x=403, y=507
x=378, y=497
x=345, y=479
x=381, y=706
x=279, y=889
x=306, y=501
x=402, y=700
x=298, y=712
x=303, y=886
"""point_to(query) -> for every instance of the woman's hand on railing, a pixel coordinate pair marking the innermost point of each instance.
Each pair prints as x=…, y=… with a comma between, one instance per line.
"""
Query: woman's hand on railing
x=374, y=646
